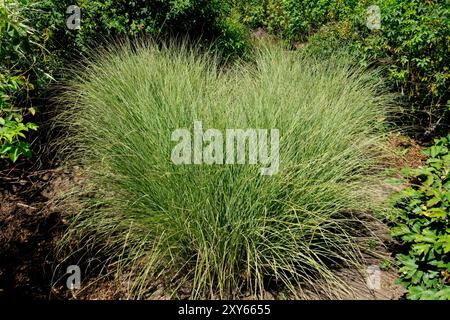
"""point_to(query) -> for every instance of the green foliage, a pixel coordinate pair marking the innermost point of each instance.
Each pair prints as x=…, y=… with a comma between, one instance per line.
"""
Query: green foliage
x=35, y=43
x=423, y=224
x=412, y=45
x=222, y=230
x=12, y=127
x=294, y=20
x=103, y=20
x=19, y=52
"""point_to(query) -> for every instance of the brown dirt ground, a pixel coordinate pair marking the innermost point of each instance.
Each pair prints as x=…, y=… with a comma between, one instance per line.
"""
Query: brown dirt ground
x=29, y=227
x=403, y=152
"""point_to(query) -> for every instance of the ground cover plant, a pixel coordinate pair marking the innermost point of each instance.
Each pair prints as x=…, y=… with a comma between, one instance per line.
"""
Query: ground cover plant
x=422, y=223
x=223, y=230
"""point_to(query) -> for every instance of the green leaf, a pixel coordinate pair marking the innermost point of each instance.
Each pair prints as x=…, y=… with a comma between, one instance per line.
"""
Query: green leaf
x=420, y=293
x=433, y=201
x=437, y=213
x=422, y=248
x=400, y=230
x=14, y=154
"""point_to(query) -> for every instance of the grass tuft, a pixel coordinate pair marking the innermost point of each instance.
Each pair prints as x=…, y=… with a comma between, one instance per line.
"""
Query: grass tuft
x=223, y=230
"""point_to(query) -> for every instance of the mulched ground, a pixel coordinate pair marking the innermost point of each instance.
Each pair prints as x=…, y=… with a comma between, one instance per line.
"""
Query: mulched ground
x=405, y=152
x=29, y=226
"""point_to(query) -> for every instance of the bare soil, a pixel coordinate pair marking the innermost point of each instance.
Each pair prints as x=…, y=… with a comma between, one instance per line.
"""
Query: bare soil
x=29, y=228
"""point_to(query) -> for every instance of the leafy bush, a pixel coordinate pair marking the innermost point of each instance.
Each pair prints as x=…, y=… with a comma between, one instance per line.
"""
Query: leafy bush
x=101, y=20
x=12, y=127
x=20, y=74
x=35, y=45
x=223, y=230
x=412, y=45
x=423, y=224
x=294, y=20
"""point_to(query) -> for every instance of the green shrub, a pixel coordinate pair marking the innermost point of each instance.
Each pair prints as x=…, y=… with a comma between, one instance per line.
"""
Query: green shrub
x=295, y=20
x=223, y=230
x=103, y=20
x=21, y=73
x=412, y=45
x=36, y=45
x=12, y=127
x=423, y=224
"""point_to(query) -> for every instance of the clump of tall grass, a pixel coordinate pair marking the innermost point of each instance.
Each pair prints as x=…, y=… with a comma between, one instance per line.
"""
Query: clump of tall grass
x=223, y=230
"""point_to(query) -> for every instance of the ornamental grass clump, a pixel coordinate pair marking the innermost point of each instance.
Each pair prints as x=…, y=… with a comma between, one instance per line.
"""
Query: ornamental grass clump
x=222, y=230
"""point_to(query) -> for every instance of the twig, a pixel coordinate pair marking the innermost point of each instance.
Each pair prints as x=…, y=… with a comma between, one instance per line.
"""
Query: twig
x=26, y=206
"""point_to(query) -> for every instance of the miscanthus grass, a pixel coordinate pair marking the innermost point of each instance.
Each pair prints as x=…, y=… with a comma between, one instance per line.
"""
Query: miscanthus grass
x=221, y=230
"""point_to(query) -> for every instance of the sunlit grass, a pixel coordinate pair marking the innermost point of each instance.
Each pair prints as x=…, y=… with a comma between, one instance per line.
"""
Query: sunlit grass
x=223, y=230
